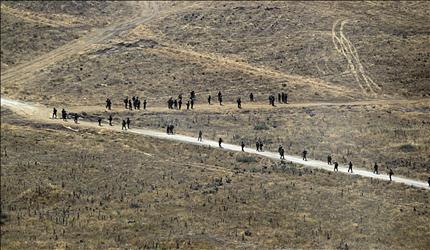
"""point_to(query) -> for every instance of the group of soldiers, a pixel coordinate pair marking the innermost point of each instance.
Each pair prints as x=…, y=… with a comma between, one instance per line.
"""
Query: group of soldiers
x=177, y=103
x=133, y=103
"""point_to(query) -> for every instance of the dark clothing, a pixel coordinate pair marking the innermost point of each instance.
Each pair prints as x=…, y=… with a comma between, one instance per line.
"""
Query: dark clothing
x=54, y=113
x=100, y=121
x=304, y=155
x=192, y=103
x=64, y=115
x=257, y=145
x=108, y=104
x=219, y=142
x=130, y=107
x=188, y=105
x=279, y=98
x=110, y=120
x=336, y=165
x=281, y=152
x=124, y=125
x=200, y=136
x=261, y=146
x=126, y=102
x=179, y=104
x=209, y=100
x=350, y=167
x=128, y=123
x=329, y=159
x=251, y=97
x=220, y=98
x=144, y=104
x=243, y=146
x=239, y=103
x=391, y=173
x=375, y=169
x=75, y=118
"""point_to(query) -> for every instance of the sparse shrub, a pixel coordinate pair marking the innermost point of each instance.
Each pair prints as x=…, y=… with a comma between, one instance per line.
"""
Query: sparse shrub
x=408, y=148
x=261, y=126
x=245, y=159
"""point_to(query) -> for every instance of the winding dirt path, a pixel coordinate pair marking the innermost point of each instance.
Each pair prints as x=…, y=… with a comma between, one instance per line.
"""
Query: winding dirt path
x=40, y=113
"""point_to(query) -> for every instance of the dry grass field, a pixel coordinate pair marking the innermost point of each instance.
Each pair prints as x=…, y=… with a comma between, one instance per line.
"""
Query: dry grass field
x=95, y=189
x=357, y=75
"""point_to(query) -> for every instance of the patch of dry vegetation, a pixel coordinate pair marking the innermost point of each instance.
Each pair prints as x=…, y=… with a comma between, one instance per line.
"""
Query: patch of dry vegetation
x=100, y=190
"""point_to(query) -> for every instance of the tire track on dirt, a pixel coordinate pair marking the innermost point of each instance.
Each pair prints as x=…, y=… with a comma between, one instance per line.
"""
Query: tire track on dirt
x=344, y=46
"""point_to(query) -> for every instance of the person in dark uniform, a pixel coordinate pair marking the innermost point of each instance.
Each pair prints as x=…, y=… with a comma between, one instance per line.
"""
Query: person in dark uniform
x=54, y=113
x=110, y=120
x=242, y=144
x=64, y=115
x=257, y=145
x=124, y=125
x=304, y=155
x=375, y=169
x=219, y=142
x=99, y=121
x=76, y=117
x=130, y=106
x=209, y=99
x=126, y=102
x=251, y=97
x=144, y=104
x=350, y=166
x=220, y=98
x=128, y=123
x=429, y=181
x=281, y=152
x=179, y=104
x=108, y=104
x=188, y=105
x=329, y=159
x=239, y=103
x=336, y=165
x=279, y=98
x=192, y=103
x=391, y=173
x=261, y=145
x=200, y=138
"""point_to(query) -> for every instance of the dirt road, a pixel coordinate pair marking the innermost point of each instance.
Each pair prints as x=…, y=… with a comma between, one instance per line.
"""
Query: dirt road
x=39, y=113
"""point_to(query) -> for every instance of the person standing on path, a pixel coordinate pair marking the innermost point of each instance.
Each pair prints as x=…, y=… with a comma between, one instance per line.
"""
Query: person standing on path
x=304, y=155
x=99, y=120
x=242, y=144
x=391, y=173
x=144, y=104
x=219, y=142
x=329, y=159
x=336, y=165
x=209, y=99
x=281, y=152
x=375, y=169
x=128, y=123
x=75, y=118
x=251, y=97
x=110, y=120
x=350, y=166
x=108, y=104
x=124, y=125
x=54, y=113
x=200, y=138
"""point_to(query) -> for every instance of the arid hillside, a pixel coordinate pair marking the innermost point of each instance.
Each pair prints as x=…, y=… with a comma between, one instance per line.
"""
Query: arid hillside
x=313, y=50
x=31, y=28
